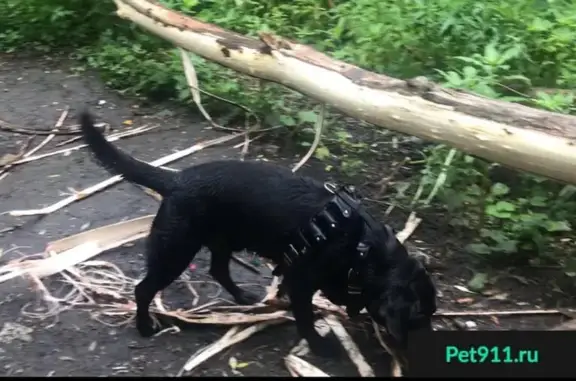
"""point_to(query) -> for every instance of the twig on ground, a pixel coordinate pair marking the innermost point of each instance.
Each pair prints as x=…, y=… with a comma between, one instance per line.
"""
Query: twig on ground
x=386, y=180
x=116, y=179
x=247, y=265
x=8, y=160
x=51, y=136
x=249, y=140
x=233, y=336
x=244, y=151
x=78, y=248
x=396, y=370
x=504, y=313
x=110, y=138
x=350, y=346
x=272, y=289
x=302, y=349
x=319, y=125
x=409, y=227
x=4, y=126
x=302, y=368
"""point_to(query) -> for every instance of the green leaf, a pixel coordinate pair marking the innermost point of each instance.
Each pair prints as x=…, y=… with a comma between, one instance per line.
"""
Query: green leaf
x=287, y=120
x=499, y=189
x=491, y=55
x=513, y=52
x=502, y=209
x=470, y=72
x=567, y=191
x=307, y=116
x=557, y=226
x=189, y=3
x=539, y=25
x=538, y=201
x=507, y=246
x=505, y=206
x=478, y=248
x=322, y=153
x=343, y=135
x=478, y=282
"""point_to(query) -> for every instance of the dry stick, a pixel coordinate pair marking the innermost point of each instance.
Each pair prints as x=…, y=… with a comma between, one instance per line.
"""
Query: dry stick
x=8, y=160
x=244, y=151
x=230, y=338
x=302, y=349
x=247, y=265
x=504, y=313
x=249, y=140
x=396, y=368
x=51, y=136
x=409, y=227
x=106, y=126
x=75, y=249
x=385, y=181
x=116, y=179
x=303, y=368
x=318, y=127
x=350, y=346
x=110, y=138
x=4, y=126
x=439, y=181
x=192, y=80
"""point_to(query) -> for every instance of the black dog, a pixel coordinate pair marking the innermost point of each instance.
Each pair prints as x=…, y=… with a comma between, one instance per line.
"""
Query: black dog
x=319, y=236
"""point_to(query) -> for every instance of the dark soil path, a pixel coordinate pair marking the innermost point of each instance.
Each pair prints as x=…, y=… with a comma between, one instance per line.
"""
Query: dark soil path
x=33, y=93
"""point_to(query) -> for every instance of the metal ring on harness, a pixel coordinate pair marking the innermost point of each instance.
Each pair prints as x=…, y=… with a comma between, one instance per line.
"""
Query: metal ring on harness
x=331, y=187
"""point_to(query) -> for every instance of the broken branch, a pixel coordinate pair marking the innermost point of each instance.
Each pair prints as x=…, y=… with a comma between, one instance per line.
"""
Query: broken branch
x=521, y=137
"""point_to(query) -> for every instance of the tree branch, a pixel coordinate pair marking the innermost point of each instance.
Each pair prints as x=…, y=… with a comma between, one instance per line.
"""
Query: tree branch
x=521, y=137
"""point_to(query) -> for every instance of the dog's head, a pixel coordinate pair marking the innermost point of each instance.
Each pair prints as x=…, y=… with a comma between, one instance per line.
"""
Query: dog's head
x=398, y=291
x=406, y=302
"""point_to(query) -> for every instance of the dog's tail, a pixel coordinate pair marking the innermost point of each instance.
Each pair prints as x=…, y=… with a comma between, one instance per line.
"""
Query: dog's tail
x=118, y=162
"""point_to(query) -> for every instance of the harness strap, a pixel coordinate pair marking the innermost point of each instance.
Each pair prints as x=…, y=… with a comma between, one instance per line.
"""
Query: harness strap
x=338, y=213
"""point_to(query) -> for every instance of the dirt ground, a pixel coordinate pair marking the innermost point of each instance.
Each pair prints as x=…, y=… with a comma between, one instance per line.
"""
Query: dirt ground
x=33, y=93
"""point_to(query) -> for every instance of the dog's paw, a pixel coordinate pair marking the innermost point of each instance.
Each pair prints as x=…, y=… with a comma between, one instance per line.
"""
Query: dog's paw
x=327, y=347
x=247, y=298
x=145, y=327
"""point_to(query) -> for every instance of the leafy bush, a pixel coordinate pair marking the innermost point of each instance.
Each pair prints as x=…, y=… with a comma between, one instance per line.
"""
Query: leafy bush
x=518, y=50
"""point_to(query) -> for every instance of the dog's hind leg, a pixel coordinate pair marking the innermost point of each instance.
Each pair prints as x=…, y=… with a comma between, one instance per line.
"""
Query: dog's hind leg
x=170, y=249
x=220, y=271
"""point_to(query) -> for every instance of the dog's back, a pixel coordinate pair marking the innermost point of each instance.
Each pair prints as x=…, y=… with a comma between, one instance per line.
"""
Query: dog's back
x=251, y=204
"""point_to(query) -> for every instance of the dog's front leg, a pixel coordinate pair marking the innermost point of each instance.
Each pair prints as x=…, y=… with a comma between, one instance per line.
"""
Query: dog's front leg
x=301, y=291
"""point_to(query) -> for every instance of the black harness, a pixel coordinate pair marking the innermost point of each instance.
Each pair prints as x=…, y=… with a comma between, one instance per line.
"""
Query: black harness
x=340, y=215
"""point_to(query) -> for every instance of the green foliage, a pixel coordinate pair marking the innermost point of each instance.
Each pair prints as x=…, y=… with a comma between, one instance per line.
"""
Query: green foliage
x=521, y=213
x=499, y=49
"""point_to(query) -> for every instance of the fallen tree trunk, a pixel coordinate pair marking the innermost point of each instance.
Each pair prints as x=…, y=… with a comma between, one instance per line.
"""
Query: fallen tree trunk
x=514, y=135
